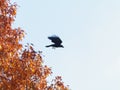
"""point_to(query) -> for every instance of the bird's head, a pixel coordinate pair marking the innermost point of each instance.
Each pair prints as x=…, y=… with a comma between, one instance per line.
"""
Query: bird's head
x=61, y=46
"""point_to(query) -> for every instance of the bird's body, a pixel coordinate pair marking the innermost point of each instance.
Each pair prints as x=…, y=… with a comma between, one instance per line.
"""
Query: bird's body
x=56, y=40
x=54, y=45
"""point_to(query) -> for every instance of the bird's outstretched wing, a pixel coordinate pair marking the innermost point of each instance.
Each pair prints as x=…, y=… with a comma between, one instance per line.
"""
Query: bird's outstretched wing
x=55, y=39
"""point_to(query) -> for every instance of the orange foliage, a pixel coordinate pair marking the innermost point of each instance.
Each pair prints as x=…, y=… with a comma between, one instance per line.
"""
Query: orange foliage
x=20, y=69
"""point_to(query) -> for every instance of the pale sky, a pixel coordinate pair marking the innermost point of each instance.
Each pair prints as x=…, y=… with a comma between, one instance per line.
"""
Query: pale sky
x=90, y=30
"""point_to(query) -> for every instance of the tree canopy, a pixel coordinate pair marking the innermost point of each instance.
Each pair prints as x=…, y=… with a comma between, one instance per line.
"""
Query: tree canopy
x=21, y=68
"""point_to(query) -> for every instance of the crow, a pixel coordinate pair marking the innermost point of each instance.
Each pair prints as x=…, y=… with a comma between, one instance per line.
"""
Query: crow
x=56, y=40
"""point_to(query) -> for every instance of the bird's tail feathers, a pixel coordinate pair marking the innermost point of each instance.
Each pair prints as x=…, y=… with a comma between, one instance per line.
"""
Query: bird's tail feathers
x=48, y=46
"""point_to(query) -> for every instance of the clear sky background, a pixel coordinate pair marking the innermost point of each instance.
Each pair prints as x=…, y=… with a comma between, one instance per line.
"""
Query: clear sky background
x=90, y=30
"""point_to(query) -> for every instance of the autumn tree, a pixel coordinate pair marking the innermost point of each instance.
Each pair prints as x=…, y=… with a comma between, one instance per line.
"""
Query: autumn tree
x=21, y=68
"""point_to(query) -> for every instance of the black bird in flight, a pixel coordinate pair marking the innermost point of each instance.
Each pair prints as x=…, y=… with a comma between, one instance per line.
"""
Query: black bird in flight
x=56, y=40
